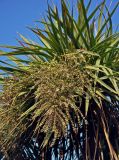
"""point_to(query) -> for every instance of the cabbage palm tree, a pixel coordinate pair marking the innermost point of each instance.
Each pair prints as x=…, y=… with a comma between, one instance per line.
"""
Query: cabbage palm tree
x=62, y=100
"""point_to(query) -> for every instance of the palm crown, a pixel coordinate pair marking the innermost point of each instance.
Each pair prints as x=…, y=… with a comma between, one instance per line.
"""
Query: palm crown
x=62, y=100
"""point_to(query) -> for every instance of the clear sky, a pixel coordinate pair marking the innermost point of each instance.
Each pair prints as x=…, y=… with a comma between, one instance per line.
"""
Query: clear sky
x=16, y=15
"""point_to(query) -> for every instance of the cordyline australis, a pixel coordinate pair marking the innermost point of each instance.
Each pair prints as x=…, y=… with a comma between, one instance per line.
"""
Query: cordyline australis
x=62, y=101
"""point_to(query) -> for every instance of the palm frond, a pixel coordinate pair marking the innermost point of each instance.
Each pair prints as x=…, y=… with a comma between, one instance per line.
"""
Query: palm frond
x=62, y=99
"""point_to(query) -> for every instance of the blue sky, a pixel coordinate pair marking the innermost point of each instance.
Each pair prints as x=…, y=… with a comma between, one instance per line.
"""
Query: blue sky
x=16, y=15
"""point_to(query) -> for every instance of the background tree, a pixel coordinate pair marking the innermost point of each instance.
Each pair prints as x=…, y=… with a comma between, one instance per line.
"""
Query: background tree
x=62, y=101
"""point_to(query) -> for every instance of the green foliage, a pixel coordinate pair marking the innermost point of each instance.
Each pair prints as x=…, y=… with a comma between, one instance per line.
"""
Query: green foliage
x=67, y=89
